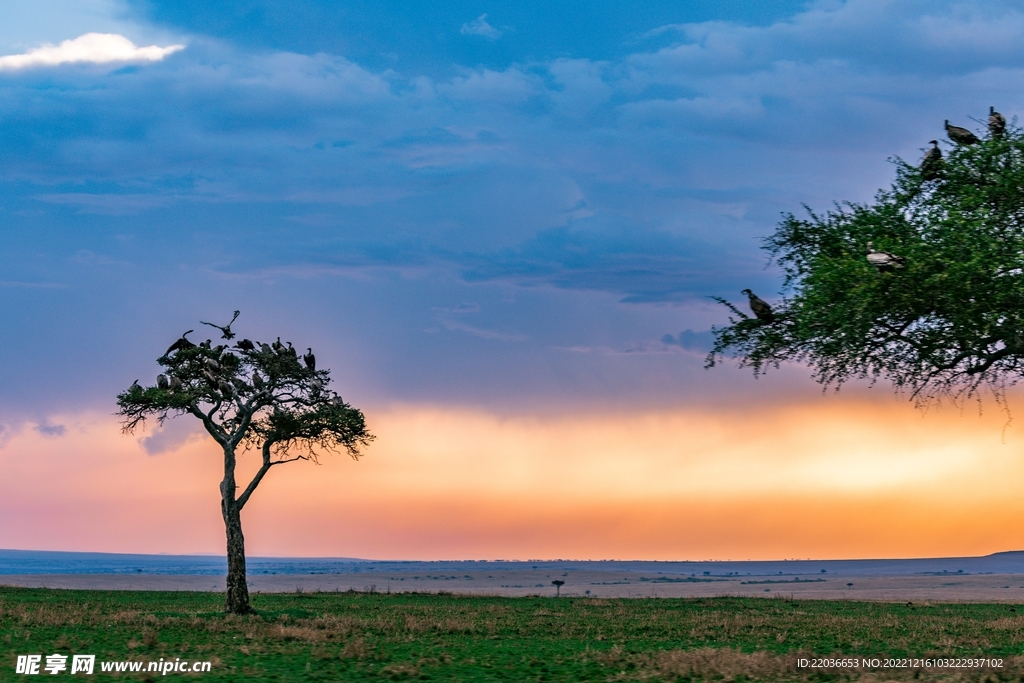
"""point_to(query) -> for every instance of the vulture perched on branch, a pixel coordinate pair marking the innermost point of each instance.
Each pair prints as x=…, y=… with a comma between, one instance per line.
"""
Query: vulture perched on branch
x=884, y=261
x=996, y=123
x=760, y=307
x=931, y=164
x=961, y=136
x=161, y=382
x=246, y=345
x=310, y=359
x=180, y=343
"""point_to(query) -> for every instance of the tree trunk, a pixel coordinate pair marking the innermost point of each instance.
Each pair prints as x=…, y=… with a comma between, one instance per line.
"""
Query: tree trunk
x=237, y=589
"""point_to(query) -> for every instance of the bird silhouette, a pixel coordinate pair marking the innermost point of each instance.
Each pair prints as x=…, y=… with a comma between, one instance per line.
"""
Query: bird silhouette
x=180, y=343
x=246, y=345
x=310, y=359
x=931, y=164
x=996, y=123
x=161, y=382
x=760, y=307
x=226, y=329
x=961, y=136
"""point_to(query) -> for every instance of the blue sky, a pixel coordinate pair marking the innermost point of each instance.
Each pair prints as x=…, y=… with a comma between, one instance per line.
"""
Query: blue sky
x=512, y=205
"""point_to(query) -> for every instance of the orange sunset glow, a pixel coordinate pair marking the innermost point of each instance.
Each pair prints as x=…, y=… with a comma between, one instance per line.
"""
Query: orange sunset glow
x=836, y=477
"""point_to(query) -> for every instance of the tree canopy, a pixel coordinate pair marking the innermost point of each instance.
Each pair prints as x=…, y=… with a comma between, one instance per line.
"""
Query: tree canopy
x=949, y=323
x=255, y=397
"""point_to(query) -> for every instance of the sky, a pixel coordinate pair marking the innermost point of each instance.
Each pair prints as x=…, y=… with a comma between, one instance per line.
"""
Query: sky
x=500, y=225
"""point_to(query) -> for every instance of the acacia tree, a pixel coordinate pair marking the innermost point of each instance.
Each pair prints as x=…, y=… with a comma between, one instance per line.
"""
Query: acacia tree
x=253, y=396
x=948, y=324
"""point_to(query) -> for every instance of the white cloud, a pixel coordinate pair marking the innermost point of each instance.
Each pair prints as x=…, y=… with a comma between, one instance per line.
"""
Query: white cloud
x=480, y=27
x=30, y=23
x=94, y=48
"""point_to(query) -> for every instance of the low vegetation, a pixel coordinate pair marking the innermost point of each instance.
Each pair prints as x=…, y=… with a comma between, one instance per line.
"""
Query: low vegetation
x=373, y=636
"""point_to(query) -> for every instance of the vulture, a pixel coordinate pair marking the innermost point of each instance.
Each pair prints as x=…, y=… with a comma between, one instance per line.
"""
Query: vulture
x=884, y=261
x=134, y=387
x=226, y=329
x=265, y=348
x=225, y=388
x=338, y=401
x=310, y=359
x=291, y=351
x=760, y=307
x=278, y=346
x=161, y=382
x=996, y=123
x=214, y=365
x=175, y=383
x=961, y=136
x=210, y=378
x=181, y=343
x=931, y=164
x=257, y=381
x=206, y=344
x=246, y=345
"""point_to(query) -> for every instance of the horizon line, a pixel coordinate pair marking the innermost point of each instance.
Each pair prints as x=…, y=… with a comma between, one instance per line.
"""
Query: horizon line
x=528, y=560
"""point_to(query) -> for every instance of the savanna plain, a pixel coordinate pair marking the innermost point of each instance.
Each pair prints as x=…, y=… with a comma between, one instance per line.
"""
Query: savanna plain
x=360, y=636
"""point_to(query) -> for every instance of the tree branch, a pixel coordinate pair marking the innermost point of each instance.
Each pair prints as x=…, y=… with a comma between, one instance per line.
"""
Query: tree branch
x=258, y=477
x=215, y=431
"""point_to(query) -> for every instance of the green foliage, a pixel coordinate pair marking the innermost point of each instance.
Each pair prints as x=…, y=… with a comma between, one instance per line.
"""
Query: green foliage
x=377, y=637
x=258, y=398
x=949, y=324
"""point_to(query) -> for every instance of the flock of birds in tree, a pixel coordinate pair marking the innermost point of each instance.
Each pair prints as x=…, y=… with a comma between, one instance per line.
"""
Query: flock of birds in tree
x=222, y=359
x=931, y=169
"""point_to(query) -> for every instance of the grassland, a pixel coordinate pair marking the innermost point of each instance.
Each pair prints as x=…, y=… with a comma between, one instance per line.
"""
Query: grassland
x=373, y=636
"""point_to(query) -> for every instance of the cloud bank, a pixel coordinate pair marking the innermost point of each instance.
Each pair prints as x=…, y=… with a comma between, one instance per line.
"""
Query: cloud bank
x=581, y=202
x=90, y=48
x=445, y=484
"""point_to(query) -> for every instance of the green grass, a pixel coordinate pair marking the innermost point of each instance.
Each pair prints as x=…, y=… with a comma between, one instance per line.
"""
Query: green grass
x=368, y=637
